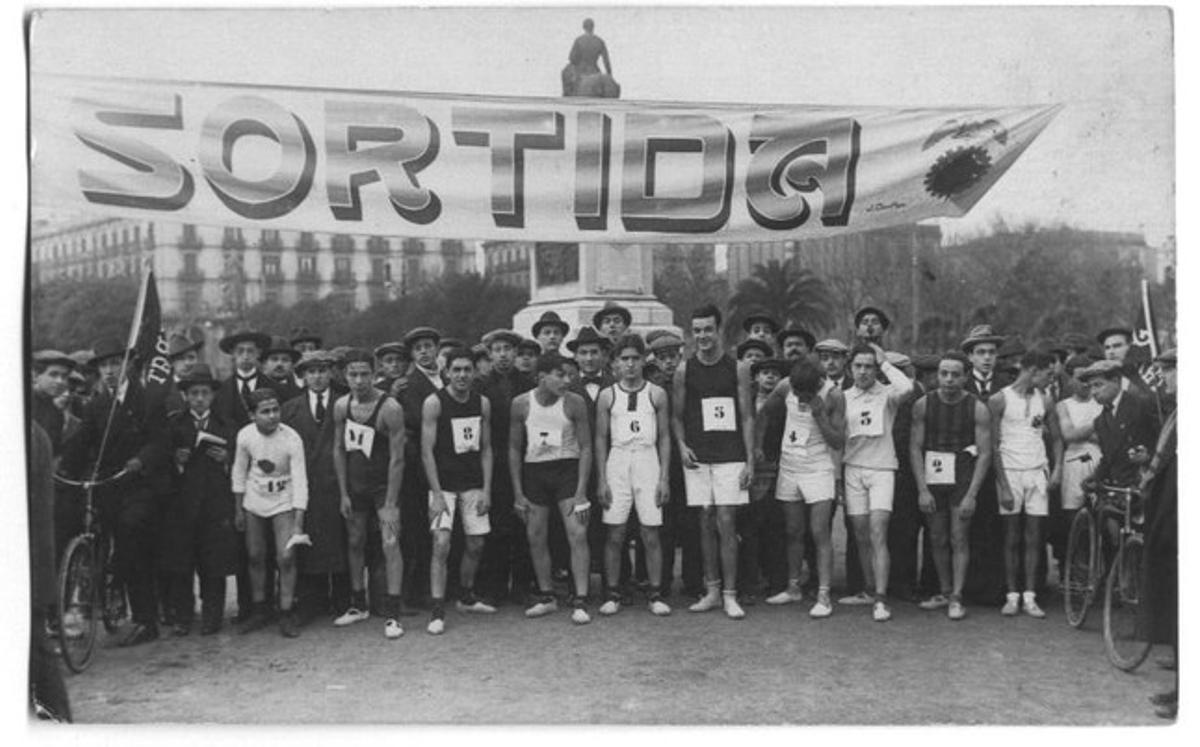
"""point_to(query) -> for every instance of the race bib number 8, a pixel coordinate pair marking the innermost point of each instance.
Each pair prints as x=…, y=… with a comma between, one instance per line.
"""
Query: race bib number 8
x=466, y=434
x=359, y=437
x=939, y=468
x=718, y=414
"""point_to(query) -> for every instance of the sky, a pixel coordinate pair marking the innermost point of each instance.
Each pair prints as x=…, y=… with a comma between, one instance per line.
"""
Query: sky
x=1106, y=162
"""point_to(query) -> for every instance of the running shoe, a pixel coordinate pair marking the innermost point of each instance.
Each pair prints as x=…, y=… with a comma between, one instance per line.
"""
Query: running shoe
x=392, y=628
x=542, y=607
x=823, y=607
x=287, y=624
x=1032, y=609
x=1012, y=604
x=474, y=604
x=579, y=615
x=787, y=596
x=733, y=610
x=436, y=626
x=881, y=612
x=956, y=610
x=659, y=607
x=351, y=616
x=861, y=598
x=935, y=602
x=611, y=607
x=710, y=601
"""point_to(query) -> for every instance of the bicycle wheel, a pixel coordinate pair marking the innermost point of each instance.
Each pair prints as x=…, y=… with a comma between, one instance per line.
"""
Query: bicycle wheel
x=78, y=595
x=1122, y=597
x=115, y=606
x=1079, y=572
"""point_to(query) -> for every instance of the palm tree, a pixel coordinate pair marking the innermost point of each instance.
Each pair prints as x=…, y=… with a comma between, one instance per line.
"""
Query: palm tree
x=786, y=291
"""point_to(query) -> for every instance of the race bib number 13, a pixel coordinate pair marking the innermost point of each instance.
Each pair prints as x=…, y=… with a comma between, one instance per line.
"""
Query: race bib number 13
x=718, y=414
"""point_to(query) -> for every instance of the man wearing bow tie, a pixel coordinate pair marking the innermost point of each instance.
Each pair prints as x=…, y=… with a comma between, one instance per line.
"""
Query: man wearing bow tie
x=591, y=353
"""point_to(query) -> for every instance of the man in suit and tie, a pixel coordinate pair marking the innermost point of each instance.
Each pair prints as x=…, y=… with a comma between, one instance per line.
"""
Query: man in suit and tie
x=278, y=362
x=1127, y=427
x=246, y=348
x=324, y=580
x=985, y=575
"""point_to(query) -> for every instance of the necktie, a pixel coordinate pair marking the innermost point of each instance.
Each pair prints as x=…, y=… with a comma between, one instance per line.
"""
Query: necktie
x=320, y=416
x=201, y=423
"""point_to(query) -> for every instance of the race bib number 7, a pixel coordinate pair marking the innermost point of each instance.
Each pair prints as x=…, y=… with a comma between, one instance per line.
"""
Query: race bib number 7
x=359, y=437
x=718, y=414
x=466, y=434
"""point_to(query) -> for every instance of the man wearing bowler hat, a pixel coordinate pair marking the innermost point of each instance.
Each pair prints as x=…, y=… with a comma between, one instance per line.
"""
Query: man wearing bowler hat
x=759, y=325
x=246, y=347
x=305, y=340
x=278, y=362
x=550, y=331
x=134, y=444
x=612, y=321
x=870, y=325
x=323, y=583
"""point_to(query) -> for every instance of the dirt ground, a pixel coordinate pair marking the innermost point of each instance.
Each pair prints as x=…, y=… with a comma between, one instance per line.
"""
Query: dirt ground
x=777, y=666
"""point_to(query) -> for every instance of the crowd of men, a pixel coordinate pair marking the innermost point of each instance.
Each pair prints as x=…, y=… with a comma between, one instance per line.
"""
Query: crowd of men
x=344, y=483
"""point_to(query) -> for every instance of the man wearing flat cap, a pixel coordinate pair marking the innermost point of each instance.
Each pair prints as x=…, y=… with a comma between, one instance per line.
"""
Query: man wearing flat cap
x=391, y=363
x=506, y=569
x=51, y=370
x=133, y=444
x=416, y=544
x=305, y=340
x=1127, y=427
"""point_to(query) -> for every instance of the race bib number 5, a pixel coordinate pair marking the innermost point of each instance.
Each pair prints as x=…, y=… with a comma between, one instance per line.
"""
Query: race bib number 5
x=466, y=434
x=718, y=414
x=359, y=437
x=865, y=419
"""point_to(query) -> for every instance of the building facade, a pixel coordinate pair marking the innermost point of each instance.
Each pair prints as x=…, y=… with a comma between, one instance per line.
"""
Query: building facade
x=211, y=271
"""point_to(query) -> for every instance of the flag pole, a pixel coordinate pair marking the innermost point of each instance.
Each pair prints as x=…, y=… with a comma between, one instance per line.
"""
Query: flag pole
x=1148, y=315
x=134, y=326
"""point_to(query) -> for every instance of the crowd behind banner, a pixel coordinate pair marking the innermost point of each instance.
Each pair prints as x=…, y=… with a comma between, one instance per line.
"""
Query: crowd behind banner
x=341, y=484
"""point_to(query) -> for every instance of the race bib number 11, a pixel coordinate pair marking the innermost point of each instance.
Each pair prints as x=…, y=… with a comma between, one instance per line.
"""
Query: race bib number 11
x=359, y=437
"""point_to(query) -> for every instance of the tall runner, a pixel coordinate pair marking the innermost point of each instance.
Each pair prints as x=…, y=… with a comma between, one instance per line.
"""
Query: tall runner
x=368, y=456
x=456, y=451
x=633, y=449
x=713, y=423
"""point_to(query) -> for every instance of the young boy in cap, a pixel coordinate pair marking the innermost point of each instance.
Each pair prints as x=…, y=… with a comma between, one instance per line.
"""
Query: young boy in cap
x=270, y=490
x=198, y=535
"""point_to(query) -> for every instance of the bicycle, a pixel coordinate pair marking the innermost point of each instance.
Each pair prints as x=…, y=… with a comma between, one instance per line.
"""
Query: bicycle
x=1123, y=590
x=87, y=584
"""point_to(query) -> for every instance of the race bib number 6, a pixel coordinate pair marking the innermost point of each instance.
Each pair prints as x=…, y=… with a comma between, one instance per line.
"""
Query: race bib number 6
x=718, y=414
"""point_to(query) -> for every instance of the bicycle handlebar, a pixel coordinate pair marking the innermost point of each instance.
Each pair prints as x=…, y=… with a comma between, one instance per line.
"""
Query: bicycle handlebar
x=90, y=484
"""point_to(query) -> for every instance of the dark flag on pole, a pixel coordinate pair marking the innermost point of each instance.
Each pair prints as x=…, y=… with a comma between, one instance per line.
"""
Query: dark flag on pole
x=147, y=341
x=1145, y=342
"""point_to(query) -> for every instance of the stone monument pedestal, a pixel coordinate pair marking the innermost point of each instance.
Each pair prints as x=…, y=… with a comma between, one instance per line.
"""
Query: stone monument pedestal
x=577, y=280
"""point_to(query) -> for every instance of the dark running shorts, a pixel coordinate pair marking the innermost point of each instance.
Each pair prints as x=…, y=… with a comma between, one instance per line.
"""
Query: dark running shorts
x=547, y=483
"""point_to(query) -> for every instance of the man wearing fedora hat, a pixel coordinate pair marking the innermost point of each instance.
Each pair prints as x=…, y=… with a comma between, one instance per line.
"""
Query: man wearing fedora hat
x=120, y=418
x=279, y=360
x=550, y=331
x=323, y=583
x=759, y=325
x=506, y=570
x=795, y=343
x=198, y=536
x=304, y=340
x=612, y=320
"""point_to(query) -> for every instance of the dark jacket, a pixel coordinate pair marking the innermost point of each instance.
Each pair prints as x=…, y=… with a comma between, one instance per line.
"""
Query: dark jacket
x=1135, y=424
x=137, y=430
x=323, y=519
x=228, y=402
x=197, y=518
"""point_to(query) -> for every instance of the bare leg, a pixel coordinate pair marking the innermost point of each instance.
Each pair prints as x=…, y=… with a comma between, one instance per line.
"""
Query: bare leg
x=1033, y=550
x=256, y=553
x=437, y=564
x=879, y=550
x=1012, y=537
x=793, y=516
x=654, y=561
x=960, y=530
x=356, y=548
x=862, y=538
x=938, y=523
x=727, y=531
x=581, y=557
x=708, y=544
x=285, y=560
x=614, y=544
x=822, y=521
x=536, y=523
x=472, y=552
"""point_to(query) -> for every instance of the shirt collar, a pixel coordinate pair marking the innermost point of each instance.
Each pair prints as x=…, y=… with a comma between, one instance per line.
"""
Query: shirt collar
x=1117, y=402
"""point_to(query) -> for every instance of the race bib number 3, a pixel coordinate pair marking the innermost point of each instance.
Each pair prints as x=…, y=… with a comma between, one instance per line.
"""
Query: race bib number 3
x=939, y=468
x=718, y=414
x=466, y=434
x=359, y=437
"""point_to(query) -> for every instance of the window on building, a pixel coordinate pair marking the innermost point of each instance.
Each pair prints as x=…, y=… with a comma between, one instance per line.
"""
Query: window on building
x=137, y=235
x=308, y=242
x=190, y=237
x=308, y=265
x=378, y=270
x=271, y=267
x=233, y=235
x=413, y=246
x=342, y=243
x=190, y=264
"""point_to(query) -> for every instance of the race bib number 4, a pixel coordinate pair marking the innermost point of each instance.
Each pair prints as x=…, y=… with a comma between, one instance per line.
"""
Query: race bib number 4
x=939, y=468
x=718, y=414
x=359, y=437
x=466, y=434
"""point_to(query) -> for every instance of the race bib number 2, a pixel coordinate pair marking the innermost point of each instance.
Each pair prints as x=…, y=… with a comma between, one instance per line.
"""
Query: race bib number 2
x=718, y=413
x=939, y=468
x=466, y=434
